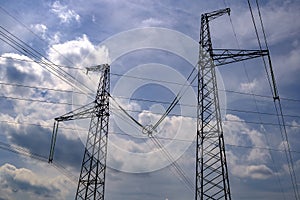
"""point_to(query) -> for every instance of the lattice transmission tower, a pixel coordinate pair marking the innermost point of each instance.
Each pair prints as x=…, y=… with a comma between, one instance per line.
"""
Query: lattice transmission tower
x=92, y=175
x=211, y=167
x=212, y=180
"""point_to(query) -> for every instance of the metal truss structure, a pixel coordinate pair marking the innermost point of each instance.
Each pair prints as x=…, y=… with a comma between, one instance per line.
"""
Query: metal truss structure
x=92, y=176
x=212, y=180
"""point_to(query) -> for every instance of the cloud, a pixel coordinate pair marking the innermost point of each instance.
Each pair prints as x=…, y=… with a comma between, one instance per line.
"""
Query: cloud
x=24, y=182
x=249, y=87
x=278, y=15
x=152, y=22
x=290, y=60
x=153, y=185
x=19, y=71
x=25, y=77
x=40, y=29
x=251, y=163
x=36, y=139
x=247, y=161
x=55, y=38
x=80, y=51
x=124, y=15
x=66, y=15
x=18, y=112
x=274, y=14
x=295, y=127
x=259, y=171
x=23, y=70
x=138, y=153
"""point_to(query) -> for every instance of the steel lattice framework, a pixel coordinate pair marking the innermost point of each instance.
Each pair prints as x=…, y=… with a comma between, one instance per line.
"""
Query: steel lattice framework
x=92, y=176
x=212, y=180
x=211, y=168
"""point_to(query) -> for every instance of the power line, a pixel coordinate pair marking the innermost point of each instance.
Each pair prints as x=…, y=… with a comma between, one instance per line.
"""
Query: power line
x=169, y=82
x=138, y=136
x=195, y=86
x=175, y=101
x=256, y=105
x=36, y=35
x=139, y=99
x=118, y=97
x=191, y=105
x=40, y=88
x=24, y=152
x=114, y=74
x=166, y=111
x=138, y=111
x=282, y=120
x=240, y=121
x=39, y=125
x=173, y=162
x=32, y=61
x=168, y=156
x=277, y=99
x=184, y=140
x=27, y=50
x=277, y=104
x=37, y=100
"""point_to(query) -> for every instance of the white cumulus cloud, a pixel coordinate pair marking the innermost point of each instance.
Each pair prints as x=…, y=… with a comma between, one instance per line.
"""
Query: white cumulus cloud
x=40, y=29
x=66, y=15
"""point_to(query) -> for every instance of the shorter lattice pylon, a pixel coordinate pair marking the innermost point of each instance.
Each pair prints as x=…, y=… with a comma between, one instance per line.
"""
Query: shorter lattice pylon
x=92, y=175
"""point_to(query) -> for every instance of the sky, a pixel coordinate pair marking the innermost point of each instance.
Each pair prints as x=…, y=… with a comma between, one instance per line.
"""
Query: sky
x=151, y=47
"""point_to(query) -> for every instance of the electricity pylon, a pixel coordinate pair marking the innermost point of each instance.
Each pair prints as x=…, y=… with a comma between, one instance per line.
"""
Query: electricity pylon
x=92, y=175
x=212, y=180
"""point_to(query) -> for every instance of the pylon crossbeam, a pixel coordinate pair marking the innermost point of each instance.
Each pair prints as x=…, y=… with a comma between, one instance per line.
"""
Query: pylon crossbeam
x=227, y=56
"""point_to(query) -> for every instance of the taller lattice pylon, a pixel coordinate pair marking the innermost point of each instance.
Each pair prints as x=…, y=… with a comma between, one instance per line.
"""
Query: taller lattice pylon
x=91, y=184
x=212, y=180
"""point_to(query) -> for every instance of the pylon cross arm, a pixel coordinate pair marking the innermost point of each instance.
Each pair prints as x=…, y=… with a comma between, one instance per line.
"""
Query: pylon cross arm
x=226, y=56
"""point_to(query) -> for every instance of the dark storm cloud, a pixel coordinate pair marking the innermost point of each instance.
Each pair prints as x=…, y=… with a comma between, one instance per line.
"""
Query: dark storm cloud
x=14, y=75
x=68, y=152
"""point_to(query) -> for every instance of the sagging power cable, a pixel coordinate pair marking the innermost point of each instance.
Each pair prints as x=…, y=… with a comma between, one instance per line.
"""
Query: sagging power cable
x=277, y=103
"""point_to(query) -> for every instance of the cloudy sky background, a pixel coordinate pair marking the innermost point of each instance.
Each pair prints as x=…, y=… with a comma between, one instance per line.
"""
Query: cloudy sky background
x=78, y=34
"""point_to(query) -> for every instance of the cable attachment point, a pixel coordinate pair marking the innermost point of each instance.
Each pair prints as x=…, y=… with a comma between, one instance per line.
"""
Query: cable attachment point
x=148, y=130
